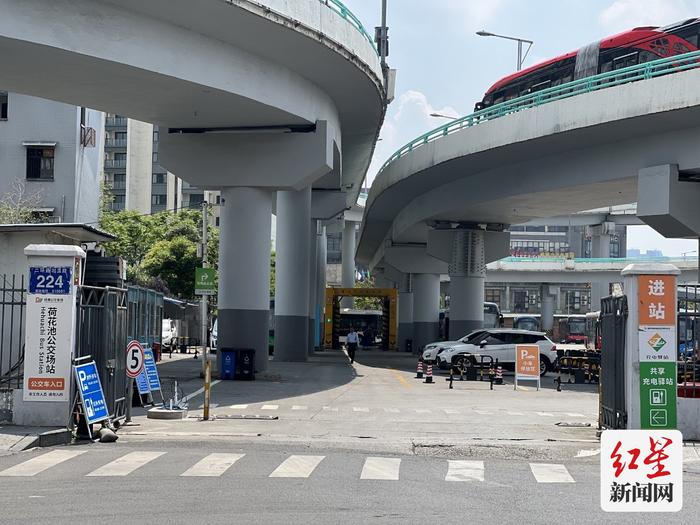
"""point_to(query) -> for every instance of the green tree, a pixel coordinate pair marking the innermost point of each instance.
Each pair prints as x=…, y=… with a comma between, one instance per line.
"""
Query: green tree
x=367, y=303
x=174, y=261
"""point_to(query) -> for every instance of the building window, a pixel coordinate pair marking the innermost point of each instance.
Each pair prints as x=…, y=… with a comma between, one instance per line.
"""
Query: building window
x=3, y=105
x=155, y=136
x=218, y=199
x=159, y=200
x=155, y=156
x=118, y=202
x=40, y=163
x=218, y=220
x=159, y=178
x=119, y=181
x=493, y=295
x=196, y=200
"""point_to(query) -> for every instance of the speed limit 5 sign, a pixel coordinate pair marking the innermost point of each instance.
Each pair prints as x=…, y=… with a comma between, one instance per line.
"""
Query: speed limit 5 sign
x=135, y=359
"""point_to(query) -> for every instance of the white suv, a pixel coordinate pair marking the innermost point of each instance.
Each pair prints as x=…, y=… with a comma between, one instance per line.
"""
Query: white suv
x=497, y=343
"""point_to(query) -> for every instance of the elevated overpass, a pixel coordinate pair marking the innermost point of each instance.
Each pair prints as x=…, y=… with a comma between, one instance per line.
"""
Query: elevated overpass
x=441, y=203
x=257, y=96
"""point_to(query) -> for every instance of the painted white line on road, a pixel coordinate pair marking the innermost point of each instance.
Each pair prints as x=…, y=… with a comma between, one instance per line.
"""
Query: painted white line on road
x=239, y=407
x=300, y=407
x=574, y=414
x=200, y=391
x=34, y=466
x=545, y=414
x=360, y=409
x=690, y=455
x=213, y=465
x=381, y=468
x=484, y=412
x=126, y=464
x=269, y=407
x=211, y=405
x=588, y=453
x=331, y=409
x=297, y=467
x=550, y=473
x=451, y=411
x=465, y=471
x=515, y=413
x=392, y=410
x=422, y=411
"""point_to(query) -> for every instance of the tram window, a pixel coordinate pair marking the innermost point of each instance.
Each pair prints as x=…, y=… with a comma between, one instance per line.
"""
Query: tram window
x=646, y=56
x=630, y=59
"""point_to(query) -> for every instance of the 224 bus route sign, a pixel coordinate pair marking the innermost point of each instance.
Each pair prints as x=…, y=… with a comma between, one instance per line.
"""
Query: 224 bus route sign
x=641, y=471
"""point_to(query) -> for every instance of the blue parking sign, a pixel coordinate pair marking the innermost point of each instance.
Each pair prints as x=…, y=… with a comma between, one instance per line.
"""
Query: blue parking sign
x=91, y=393
x=151, y=370
x=142, y=383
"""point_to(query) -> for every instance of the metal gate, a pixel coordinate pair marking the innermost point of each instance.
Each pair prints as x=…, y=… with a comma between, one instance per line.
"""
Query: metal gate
x=101, y=325
x=613, y=318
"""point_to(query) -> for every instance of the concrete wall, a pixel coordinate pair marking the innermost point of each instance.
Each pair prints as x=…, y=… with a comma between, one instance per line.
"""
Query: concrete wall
x=688, y=418
x=72, y=193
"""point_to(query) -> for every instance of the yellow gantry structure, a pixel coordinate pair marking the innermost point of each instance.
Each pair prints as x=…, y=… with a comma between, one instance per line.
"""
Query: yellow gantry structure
x=332, y=312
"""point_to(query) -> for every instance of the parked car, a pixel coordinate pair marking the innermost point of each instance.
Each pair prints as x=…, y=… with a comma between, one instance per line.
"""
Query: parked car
x=497, y=343
x=433, y=350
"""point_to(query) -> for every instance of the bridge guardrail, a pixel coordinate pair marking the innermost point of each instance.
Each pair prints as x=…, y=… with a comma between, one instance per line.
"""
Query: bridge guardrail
x=345, y=13
x=626, y=75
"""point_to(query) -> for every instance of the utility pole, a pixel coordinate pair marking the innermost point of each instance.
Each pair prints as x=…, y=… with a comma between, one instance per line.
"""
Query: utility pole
x=206, y=365
x=381, y=37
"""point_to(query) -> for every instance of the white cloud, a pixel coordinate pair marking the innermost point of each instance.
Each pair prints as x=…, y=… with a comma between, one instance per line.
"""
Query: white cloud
x=622, y=15
x=408, y=118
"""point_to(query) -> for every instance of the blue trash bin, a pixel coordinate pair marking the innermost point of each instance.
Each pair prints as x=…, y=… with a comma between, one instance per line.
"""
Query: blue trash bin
x=228, y=363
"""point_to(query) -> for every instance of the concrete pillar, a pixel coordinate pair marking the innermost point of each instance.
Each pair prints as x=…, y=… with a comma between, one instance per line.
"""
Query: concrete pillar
x=244, y=271
x=600, y=243
x=426, y=310
x=313, y=286
x=547, y=309
x=405, y=311
x=348, y=258
x=321, y=254
x=292, y=275
x=598, y=291
x=467, y=272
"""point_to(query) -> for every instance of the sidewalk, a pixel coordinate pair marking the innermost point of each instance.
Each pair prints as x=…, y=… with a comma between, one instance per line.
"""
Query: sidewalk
x=16, y=438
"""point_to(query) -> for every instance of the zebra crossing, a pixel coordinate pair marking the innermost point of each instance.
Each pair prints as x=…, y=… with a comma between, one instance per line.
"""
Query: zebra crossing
x=300, y=409
x=300, y=466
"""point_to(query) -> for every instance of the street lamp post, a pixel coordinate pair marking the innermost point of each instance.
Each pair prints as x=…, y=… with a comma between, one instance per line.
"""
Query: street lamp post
x=520, y=42
x=440, y=115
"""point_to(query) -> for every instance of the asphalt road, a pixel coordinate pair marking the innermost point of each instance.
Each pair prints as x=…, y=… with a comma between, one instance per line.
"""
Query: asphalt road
x=263, y=483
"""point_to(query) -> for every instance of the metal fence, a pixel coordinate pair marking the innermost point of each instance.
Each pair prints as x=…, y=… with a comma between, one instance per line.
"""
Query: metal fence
x=689, y=340
x=12, y=303
x=102, y=334
x=613, y=319
x=145, y=323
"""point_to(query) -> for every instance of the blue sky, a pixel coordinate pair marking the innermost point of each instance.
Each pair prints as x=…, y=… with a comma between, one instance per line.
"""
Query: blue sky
x=444, y=67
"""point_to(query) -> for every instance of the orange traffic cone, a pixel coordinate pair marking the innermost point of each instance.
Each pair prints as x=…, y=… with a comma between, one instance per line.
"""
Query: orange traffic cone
x=419, y=370
x=429, y=377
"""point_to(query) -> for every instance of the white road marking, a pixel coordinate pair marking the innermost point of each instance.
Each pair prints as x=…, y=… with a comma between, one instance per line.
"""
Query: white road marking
x=484, y=412
x=297, y=467
x=213, y=465
x=465, y=471
x=381, y=468
x=126, y=464
x=200, y=391
x=451, y=411
x=239, y=407
x=545, y=414
x=690, y=454
x=551, y=473
x=574, y=414
x=269, y=407
x=588, y=453
x=422, y=411
x=515, y=413
x=392, y=410
x=300, y=407
x=360, y=409
x=331, y=409
x=34, y=466
x=211, y=405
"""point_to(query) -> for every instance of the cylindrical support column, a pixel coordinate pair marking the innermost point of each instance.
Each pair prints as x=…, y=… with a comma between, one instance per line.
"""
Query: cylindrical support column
x=313, y=286
x=322, y=255
x=405, y=311
x=600, y=246
x=348, y=259
x=467, y=272
x=547, y=309
x=292, y=275
x=426, y=310
x=244, y=271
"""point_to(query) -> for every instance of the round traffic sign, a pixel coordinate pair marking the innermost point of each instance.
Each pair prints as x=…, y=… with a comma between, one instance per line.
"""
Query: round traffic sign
x=135, y=359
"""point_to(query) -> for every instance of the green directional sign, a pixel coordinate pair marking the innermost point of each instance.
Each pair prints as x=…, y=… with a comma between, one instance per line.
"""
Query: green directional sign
x=205, y=281
x=657, y=388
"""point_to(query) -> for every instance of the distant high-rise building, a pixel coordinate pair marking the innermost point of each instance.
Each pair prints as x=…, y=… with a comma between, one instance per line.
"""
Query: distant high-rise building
x=51, y=152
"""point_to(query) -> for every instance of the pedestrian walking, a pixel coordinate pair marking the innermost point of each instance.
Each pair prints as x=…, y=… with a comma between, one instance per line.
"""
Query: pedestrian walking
x=352, y=343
